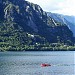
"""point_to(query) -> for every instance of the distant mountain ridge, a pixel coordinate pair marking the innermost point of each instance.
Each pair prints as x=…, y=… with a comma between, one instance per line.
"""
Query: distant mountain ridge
x=64, y=19
x=24, y=25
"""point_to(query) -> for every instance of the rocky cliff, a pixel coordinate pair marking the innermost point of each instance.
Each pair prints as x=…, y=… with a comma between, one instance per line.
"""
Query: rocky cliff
x=64, y=19
x=24, y=24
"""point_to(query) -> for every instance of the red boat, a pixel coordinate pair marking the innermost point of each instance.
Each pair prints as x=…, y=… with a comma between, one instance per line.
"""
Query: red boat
x=45, y=65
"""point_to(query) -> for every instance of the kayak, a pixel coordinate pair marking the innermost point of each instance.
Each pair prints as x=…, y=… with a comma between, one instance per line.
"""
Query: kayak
x=45, y=65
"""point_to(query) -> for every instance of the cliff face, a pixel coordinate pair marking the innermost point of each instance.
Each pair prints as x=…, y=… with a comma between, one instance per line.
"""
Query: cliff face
x=24, y=23
x=64, y=19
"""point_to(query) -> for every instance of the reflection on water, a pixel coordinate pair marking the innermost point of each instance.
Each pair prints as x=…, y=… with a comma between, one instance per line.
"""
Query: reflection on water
x=29, y=63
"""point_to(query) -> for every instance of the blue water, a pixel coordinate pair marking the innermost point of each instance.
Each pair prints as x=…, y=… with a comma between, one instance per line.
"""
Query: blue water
x=29, y=63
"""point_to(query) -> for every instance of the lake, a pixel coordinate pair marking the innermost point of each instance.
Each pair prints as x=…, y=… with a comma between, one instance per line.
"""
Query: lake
x=29, y=63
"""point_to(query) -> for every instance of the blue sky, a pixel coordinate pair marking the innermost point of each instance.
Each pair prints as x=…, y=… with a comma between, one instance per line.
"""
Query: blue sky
x=66, y=7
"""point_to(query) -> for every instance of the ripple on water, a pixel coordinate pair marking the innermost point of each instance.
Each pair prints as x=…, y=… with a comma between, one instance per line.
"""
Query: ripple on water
x=25, y=64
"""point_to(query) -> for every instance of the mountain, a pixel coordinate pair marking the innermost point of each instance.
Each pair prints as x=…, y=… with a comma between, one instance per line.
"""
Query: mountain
x=71, y=19
x=25, y=26
x=64, y=19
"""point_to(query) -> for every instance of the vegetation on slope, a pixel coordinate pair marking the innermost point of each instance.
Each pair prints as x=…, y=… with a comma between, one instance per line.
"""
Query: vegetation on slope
x=25, y=26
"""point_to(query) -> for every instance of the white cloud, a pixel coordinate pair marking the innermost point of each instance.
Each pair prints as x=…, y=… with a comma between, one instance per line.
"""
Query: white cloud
x=66, y=7
x=47, y=5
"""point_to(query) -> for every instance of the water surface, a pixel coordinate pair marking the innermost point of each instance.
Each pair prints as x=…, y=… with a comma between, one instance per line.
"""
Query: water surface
x=28, y=63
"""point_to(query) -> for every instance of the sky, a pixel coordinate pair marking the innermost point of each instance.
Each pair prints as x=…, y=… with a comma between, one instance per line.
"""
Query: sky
x=66, y=7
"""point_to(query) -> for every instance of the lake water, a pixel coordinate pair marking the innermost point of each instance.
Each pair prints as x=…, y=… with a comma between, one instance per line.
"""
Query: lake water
x=29, y=63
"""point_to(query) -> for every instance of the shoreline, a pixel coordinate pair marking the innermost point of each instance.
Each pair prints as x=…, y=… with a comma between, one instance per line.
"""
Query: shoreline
x=36, y=50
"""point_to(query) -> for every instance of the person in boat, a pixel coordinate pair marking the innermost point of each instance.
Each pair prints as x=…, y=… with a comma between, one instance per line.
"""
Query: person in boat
x=44, y=65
